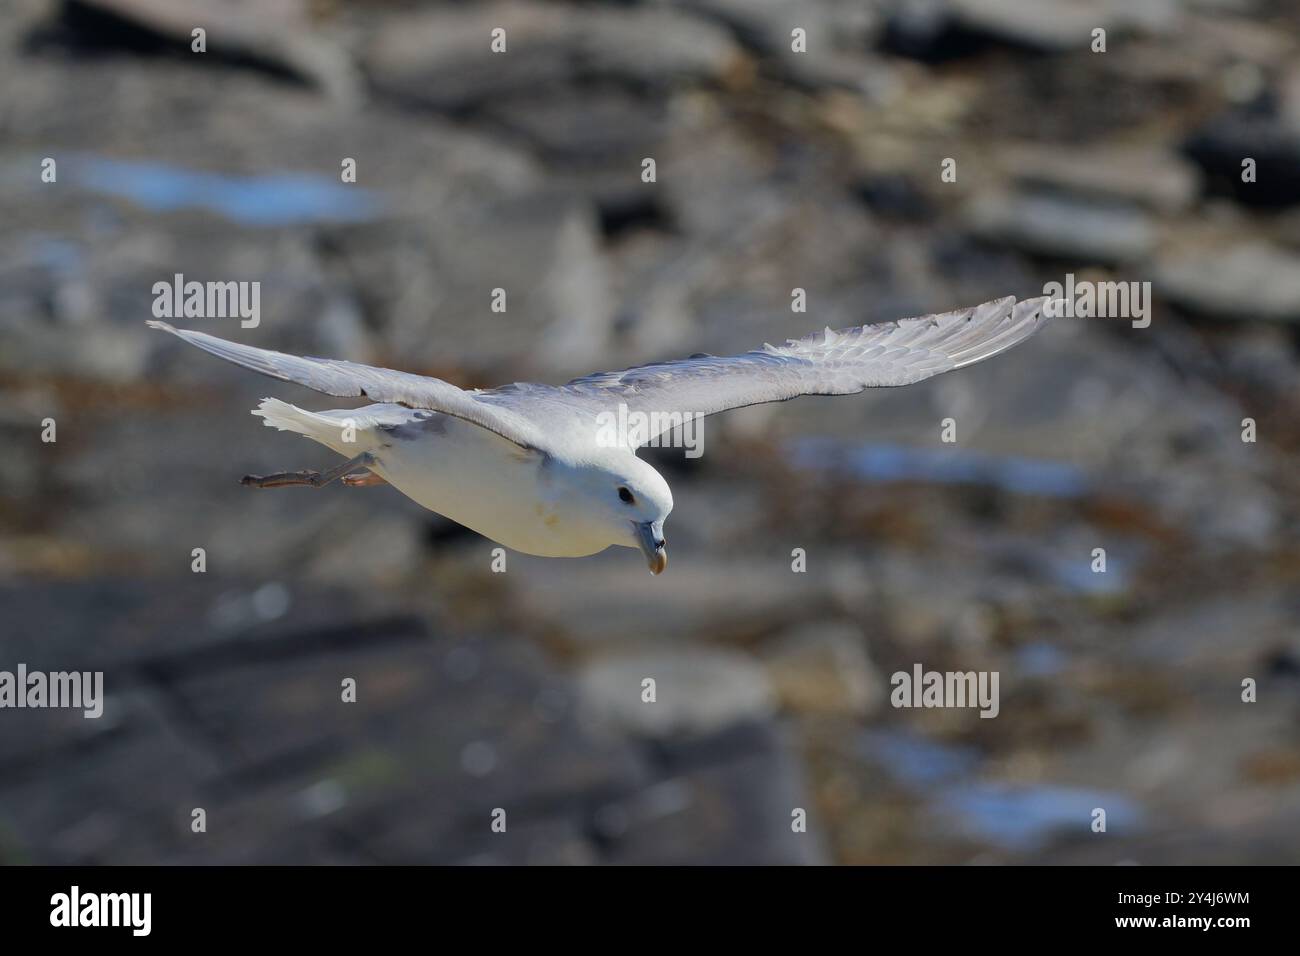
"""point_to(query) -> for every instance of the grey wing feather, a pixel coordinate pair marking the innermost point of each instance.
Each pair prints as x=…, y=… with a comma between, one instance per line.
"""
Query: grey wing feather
x=537, y=416
x=824, y=363
x=353, y=380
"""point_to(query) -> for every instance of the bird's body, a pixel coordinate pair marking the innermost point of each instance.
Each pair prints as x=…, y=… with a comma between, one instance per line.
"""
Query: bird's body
x=458, y=470
x=532, y=466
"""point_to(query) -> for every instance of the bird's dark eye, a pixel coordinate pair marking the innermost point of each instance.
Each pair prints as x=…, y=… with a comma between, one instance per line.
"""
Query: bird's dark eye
x=625, y=495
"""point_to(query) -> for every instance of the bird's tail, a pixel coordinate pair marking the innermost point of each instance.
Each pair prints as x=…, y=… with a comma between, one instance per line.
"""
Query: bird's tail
x=338, y=433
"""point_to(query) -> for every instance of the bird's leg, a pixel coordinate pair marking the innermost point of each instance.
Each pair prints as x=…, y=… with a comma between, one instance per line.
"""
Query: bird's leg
x=316, y=479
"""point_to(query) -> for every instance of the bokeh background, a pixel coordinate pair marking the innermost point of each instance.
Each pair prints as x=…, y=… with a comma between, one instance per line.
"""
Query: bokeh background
x=776, y=170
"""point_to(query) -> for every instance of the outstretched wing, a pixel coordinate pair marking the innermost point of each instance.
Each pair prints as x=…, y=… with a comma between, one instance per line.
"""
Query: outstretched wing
x=352, y=380
x=824, y=363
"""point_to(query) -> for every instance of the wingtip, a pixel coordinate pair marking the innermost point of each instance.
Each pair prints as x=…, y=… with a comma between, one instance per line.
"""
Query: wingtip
x=1052, y=307
x=1042, y=309
x=155, y=324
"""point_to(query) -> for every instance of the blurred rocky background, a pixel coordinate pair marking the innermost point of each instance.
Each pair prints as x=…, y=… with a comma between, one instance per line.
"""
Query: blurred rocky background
x=775, y=170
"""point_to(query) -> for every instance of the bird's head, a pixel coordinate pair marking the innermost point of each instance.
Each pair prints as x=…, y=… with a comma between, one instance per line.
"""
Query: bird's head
x=631, y=500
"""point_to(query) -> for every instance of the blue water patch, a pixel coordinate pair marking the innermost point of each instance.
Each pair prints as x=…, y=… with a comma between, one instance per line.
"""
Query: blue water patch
x=916, y=761
x=56, y=254
x=952, y=465
x=1040, y=660
x=1013, y=817
x=273, y=199
x=1077, y=575
x=1021, y=818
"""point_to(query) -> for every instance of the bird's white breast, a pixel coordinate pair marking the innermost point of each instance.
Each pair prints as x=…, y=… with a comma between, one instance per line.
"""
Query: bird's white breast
x=479, y=480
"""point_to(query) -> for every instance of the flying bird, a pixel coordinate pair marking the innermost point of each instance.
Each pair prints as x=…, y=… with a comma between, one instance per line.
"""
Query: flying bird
x=526, y=464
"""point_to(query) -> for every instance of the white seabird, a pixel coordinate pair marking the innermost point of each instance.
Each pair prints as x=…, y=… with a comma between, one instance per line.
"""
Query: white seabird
x=523, y=465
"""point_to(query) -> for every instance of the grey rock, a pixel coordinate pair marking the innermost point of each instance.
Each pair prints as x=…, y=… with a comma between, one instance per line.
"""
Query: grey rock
x=823, y=668
x=1248, y=280
x=543, y=250
x=442, y=58
x=279, y=36
x=125, y=793
x=1158, y=179
x=1056, y=226
x=599, y=130
x=697, y=690
x=941, y=29
x=1270, y=138
x=750, y=594
x=836, y=32
x=736, y=805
